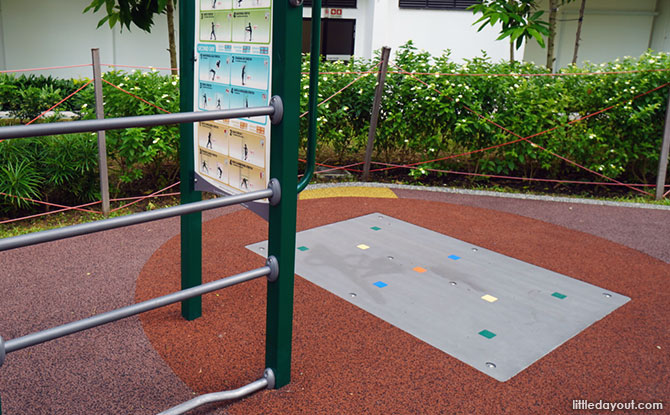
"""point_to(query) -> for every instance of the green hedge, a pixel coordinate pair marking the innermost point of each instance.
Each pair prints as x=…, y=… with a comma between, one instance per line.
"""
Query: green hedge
x=63, y=169
x=417, y=123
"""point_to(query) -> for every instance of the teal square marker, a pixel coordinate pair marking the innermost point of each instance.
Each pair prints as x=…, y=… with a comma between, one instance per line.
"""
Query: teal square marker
x=376, y=228
x=559, y=295
x=303, y=248
x=487, y=334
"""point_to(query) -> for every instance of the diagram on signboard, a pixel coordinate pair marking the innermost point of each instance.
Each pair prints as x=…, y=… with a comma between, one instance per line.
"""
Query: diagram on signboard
x=215, y=67
x=250, y=4
x=246, y=98
x=247, y=147
x=215, y=26
x=214, y=137
x=246, y=177
x=213, y=96
x=252, y=26
x=250, y=71
x=234, y=69
x=216, y=4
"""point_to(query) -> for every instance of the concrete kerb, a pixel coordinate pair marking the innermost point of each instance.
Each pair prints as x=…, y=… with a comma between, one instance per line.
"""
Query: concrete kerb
x=493, y=194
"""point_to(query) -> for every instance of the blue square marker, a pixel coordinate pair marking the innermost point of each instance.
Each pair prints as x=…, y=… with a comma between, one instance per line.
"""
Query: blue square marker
x=380, y=284
x=454, y=257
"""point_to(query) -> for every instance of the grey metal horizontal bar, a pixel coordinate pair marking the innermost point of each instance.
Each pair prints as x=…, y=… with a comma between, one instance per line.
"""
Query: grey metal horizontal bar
x=265, y=382
x=38, y=130
x=131, y=310
x=134, y=219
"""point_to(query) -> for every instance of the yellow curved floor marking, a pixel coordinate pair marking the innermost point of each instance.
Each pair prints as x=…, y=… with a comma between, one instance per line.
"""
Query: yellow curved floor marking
x=357, y=191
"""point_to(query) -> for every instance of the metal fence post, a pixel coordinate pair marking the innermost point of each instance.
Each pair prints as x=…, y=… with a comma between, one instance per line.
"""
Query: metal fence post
x=663, y=159
x=191, y=224
x=386, y=51
x=286, y=35
x=102, y=145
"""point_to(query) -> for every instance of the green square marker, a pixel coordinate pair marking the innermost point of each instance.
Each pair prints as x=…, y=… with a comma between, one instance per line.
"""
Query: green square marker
x=487, y=334
x=376, y=228
x=302, y=248
x=559, y=295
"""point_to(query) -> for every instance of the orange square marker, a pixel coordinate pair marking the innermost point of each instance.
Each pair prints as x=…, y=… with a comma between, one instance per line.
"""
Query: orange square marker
x=419, y=269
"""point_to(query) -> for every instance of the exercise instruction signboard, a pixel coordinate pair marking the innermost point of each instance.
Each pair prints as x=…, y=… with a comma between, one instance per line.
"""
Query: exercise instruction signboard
x=233, y=70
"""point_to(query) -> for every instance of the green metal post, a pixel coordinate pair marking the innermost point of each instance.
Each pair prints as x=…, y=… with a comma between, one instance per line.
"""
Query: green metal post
x=315, y=56
x=287, y=35
x=191, y=225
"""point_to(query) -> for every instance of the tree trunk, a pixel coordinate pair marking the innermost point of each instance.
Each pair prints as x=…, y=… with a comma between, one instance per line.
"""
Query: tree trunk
x=579, y=31
x=171, y=37
x=511, y=51
x=553, y=10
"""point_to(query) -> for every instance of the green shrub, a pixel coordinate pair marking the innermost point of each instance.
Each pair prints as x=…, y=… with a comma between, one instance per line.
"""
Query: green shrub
x=139, y=153
x=439, y=118
x=65, y=167
x=343, y=121
x=58, y=168
x=418, y=122
x=20, y=179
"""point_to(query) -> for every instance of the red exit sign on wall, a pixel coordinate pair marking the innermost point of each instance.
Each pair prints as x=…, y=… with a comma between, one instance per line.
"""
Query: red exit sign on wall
x=334, y=12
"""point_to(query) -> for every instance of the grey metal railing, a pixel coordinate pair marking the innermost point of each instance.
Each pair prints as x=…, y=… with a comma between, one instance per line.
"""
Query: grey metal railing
x=270, y=270
x=275, y=110
x=266, y=382
x=273, y=193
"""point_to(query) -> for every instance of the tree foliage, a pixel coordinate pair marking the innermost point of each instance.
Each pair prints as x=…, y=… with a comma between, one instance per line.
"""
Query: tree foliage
x=141, y=13
x=520, y=19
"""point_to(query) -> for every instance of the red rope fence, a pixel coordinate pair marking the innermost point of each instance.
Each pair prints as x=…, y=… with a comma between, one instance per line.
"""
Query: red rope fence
x=387, y=166
x=527, y=139
x=46, y=68
x=111, y=65
x=60, y=102
x=135, y=96
x=535, y=74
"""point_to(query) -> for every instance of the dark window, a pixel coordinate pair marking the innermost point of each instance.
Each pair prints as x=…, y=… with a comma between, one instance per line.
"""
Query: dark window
x=437, y=4
x=344, y=4
x=337, y=37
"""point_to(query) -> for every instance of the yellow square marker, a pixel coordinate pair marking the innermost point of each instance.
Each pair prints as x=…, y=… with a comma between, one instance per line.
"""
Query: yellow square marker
x=419, y=269
x=363, y=247
x=489, y=298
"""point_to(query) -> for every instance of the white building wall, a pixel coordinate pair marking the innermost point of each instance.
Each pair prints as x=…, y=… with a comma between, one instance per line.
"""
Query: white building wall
x=2, y=42
x=660, y=38
x=56, y=33
x=382, y=23
x=611, y=29
x=436, y=31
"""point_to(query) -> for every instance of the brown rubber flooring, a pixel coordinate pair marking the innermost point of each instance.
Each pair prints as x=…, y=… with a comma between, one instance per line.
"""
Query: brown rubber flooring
x=345, y=361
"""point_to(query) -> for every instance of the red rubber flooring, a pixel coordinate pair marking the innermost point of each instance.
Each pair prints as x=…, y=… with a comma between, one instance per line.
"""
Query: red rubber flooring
x=345, y=361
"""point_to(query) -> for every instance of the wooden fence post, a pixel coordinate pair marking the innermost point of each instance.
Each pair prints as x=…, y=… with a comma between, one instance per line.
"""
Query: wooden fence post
x=663, y=159
x=102, y=145
x=386, y=52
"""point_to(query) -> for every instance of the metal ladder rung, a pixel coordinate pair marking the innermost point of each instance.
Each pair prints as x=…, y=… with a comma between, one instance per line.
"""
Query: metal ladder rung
x=266, y=382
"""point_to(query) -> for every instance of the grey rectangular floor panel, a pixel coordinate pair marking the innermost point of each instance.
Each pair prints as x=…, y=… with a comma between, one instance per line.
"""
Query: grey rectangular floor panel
x=530, y=310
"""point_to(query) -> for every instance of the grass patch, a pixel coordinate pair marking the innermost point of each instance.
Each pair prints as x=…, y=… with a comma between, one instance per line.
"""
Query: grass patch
x=62, y=219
